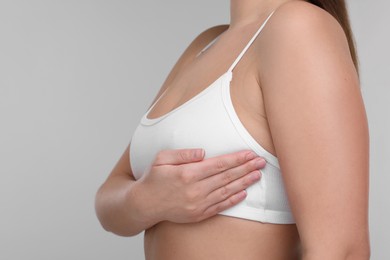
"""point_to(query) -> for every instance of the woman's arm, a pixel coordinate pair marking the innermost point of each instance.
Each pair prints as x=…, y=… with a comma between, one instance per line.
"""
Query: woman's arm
x=318, y=123
x=180, y=187
x=114, y=204
x=127, y=207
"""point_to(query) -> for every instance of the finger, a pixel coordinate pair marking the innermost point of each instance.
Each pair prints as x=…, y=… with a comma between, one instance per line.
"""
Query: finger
x=222, y=179
x=234, y=187
x=214, y=165
x=225, y=204
x=178, y=156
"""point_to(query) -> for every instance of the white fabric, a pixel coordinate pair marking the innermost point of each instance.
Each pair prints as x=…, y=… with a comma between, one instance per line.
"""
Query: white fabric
x=209, y=121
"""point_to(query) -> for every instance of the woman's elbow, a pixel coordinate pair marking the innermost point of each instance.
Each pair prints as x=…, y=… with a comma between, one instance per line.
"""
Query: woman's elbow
x=110, y=214
x=101, y=211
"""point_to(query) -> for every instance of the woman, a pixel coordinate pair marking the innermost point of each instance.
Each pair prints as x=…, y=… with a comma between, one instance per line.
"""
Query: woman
x=281, y=79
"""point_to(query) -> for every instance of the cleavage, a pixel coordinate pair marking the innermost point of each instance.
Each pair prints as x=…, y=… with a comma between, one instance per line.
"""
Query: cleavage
x=187, y=85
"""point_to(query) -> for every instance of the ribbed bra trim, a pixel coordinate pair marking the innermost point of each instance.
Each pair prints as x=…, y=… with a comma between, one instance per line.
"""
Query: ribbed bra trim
x=221, y=88
x=223, y=81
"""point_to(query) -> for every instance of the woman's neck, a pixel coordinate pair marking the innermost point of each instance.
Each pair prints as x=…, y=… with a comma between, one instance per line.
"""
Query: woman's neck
x=243, y=12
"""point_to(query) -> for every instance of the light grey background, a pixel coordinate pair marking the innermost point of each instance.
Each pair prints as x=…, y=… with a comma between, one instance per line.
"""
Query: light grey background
x=75, y=78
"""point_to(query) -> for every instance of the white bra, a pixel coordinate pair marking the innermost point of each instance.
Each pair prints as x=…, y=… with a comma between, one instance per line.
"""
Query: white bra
x=208, y=120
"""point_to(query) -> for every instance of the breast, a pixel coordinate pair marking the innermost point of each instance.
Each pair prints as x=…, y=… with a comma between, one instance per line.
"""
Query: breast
x=210, y=122
x=199, y=123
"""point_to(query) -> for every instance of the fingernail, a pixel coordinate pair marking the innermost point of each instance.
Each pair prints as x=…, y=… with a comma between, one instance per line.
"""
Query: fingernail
x=260, y=162
x=250, y=156
x=199, y=153
x=255, y=175
x=242, y=194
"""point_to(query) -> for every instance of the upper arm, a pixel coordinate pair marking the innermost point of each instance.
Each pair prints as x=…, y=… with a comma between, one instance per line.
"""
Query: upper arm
x=189, y=54
x=319, y=127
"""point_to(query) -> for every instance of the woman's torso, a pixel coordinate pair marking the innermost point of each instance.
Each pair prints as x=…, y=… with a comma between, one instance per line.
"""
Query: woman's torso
x=223, y=237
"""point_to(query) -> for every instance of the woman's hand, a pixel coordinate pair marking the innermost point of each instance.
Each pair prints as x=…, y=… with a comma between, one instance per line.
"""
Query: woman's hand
x=181, y=187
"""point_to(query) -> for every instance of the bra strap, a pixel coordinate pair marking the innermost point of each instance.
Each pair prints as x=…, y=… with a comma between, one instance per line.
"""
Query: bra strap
x=249, y=44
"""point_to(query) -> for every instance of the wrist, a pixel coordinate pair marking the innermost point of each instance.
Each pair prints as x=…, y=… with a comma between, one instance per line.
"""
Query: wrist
x=145, y=210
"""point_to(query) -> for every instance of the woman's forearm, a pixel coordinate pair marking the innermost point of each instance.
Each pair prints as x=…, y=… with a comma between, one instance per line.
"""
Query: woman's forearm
x=118, y=209
x=179, y=187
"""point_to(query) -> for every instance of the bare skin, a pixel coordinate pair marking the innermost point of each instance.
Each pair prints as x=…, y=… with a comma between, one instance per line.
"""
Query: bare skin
x=320, y=134
x=222, y=237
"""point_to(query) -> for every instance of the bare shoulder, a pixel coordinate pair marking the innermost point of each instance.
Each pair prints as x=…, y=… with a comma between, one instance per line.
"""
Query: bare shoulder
x=302, y=36
x=319, y=128
x=302, y=15
x=302, y=24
